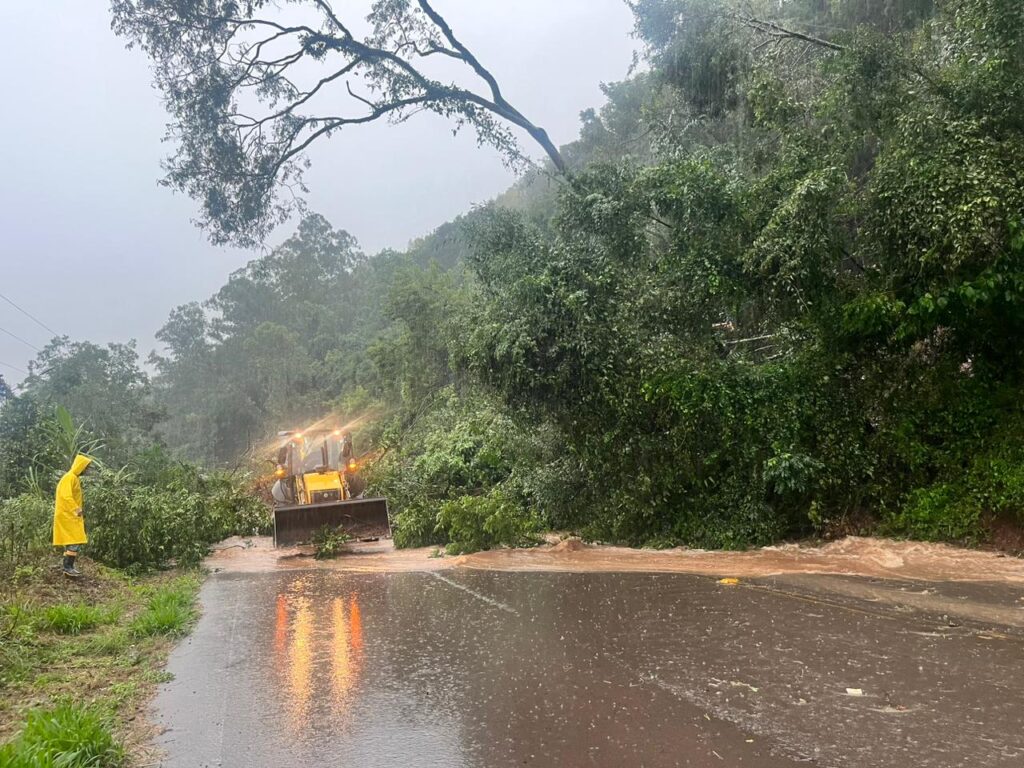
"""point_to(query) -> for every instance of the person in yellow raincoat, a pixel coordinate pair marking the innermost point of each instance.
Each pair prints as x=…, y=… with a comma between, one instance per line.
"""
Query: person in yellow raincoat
x=68, y=515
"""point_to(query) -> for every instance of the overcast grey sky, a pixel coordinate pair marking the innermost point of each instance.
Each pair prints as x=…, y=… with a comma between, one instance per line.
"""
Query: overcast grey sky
x=94, y=248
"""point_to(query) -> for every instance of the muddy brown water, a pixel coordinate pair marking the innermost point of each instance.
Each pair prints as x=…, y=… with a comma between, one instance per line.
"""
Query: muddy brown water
x=852, y=556
x=401, y=659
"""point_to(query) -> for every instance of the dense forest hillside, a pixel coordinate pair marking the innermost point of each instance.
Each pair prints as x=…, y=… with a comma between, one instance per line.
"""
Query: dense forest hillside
x=779, y=291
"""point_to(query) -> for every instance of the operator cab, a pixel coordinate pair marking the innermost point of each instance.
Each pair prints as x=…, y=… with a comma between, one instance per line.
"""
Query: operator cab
x=315, y=466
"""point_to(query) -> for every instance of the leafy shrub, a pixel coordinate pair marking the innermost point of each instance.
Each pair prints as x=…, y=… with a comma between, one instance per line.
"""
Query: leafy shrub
x=73, y=619
x=25, y=527
x=470, y=452
x=791, y=473
x=997, y=483
x=138, y=525
x=152, y=511
x=67, y=736
x=416, y=526
x=472, y=523
x=977, y=461
x=327, y=542
x=939, y=513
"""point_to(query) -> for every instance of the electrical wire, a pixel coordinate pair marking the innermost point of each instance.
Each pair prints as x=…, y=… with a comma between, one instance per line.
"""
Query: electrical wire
x=13, y=367
x=18, y=338
x=29, y=315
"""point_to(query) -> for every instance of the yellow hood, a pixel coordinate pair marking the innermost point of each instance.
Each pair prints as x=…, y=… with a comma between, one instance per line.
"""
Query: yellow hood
x=80, y=463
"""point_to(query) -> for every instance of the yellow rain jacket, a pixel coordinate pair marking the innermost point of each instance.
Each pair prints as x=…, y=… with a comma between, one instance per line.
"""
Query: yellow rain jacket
x=68, y=523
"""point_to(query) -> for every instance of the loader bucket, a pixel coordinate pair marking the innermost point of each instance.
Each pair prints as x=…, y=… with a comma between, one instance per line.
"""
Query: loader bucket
x=359, y=518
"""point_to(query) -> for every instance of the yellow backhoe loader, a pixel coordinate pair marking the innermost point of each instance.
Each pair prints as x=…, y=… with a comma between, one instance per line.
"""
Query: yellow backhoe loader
x=318, y=483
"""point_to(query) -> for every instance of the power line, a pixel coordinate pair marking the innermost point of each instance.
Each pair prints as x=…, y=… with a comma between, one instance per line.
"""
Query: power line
x=29, y=315
x=13, y=367
x=18, y=338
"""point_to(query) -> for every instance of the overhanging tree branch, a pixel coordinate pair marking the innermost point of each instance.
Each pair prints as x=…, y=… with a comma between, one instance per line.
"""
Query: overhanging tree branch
x=249, y=90
x=505, y=109
x=774, y=30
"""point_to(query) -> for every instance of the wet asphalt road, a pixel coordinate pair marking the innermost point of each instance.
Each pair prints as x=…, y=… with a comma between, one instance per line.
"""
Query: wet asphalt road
x=483, y=669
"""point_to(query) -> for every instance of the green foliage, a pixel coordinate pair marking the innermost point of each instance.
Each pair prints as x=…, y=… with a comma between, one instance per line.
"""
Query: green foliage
x=25, y=442
x=17, y=630
x=282, y=344
x=469, y=452
x=807, y=308
x=792, y=473
x=69, y=439
x=67, y=736
x=411, y=358
x=983, y=481
x=328, y=541
x=247, y=177
x=103, y=388
x=416, y=526
x=173, y=513
x=25, y=527
x=472, y=523
x=781, y=290
x=105, y=654
x=151, y=511
x=939, y=513
x=111, y=643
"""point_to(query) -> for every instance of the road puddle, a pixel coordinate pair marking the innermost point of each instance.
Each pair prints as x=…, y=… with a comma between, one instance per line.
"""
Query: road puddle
x=470, y=668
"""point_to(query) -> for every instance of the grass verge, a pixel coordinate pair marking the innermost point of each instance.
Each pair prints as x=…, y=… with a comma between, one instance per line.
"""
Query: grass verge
x=67, y=735
x=78, y=661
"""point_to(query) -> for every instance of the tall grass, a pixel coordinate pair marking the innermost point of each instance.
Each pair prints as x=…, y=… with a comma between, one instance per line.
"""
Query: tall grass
x=169, y=610
x=73, y=619
x=66, y=736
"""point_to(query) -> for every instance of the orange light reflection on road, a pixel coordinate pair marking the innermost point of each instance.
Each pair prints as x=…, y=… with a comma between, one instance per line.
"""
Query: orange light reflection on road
x=300, y=640
x=347, y=651
x=300, y=662
x=356, y=622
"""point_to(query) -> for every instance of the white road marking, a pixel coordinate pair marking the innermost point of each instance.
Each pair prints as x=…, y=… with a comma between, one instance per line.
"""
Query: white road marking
x=474, y=593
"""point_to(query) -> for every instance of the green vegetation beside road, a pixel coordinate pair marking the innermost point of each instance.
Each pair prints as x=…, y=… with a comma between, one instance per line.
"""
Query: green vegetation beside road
x=78, y=658
x=78, y=662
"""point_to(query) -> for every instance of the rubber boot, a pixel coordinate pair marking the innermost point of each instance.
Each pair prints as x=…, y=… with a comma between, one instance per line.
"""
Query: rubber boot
x=69, y=567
